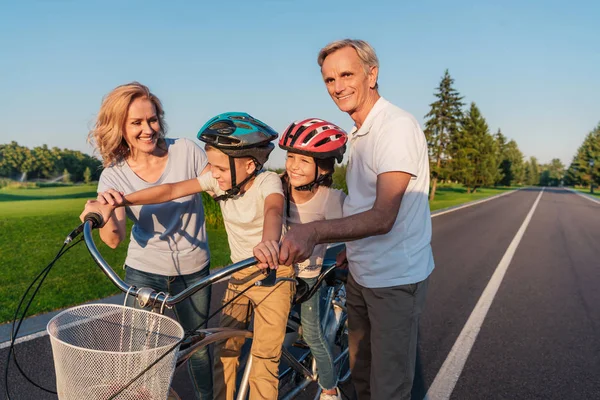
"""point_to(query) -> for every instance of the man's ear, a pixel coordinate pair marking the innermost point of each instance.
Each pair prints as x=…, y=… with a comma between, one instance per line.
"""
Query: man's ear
x=372, y=76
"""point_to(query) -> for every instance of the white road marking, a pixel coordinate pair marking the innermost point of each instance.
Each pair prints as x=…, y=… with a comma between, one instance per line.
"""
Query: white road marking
x=448, y=375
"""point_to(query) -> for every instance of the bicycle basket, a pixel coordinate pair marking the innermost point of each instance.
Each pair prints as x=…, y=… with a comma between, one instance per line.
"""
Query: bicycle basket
x=99, y=348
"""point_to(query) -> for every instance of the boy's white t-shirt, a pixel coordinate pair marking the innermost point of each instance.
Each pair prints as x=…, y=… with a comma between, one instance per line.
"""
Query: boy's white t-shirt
x=327, y=203
x=243, y=215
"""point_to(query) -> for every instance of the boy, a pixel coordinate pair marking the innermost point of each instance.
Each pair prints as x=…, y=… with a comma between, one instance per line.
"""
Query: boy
x=237, y=146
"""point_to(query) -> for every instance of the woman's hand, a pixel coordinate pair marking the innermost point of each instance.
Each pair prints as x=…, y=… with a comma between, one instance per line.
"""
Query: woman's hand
x=112, y=197
x=106, y=210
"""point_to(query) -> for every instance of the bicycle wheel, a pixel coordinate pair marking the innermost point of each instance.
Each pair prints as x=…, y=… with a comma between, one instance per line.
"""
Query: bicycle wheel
x=340, y=351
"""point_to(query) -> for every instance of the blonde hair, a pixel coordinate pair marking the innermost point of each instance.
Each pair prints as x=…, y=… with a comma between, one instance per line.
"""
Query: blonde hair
x=108, y=132
x=366, y=53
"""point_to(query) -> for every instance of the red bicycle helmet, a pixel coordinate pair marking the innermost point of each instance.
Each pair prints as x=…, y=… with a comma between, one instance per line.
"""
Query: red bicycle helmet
x=315, y=138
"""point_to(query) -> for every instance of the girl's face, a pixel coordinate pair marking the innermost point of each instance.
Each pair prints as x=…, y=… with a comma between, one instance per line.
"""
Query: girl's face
x=300, y=169
x=142, y=127
x=221, y=169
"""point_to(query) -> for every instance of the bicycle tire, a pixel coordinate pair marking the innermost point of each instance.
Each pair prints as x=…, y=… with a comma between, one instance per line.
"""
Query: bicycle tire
x=342, y=366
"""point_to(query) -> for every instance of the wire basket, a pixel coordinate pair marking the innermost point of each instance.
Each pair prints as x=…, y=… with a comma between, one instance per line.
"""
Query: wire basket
x=99, y=348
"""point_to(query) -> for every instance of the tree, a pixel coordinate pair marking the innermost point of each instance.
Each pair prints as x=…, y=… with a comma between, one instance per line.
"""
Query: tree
x=66, y=177
x=511, y=165
x=532, y=172
x=87, y=175
x=473, y=152
x=553, y=173
x=15, y=161
x=442, y=124
x=585, y=167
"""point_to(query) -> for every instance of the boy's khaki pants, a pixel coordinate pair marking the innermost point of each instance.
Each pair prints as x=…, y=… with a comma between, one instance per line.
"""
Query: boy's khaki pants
x=271, y=307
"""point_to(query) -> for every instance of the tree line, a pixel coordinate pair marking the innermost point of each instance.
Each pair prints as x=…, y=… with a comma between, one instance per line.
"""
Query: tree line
x=585, y=167
x=462, y=148
x=42, y=163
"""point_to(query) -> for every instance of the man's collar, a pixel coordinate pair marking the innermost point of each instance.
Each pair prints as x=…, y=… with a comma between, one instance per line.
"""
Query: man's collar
x=366, y=126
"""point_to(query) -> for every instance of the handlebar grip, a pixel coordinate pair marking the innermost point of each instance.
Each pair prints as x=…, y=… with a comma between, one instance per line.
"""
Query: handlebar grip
x=95, y=218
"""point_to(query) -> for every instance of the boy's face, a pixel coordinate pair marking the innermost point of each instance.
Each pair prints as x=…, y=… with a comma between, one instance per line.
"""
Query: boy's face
x=221, y=169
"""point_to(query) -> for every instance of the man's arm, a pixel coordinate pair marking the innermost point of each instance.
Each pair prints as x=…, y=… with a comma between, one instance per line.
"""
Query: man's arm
x=300, y=241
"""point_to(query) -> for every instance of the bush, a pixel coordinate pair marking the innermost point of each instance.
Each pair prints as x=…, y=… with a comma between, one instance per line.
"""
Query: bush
x=4, y=182
x=212, y=211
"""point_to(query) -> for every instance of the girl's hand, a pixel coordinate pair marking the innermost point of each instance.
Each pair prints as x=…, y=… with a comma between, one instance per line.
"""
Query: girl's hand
x=267, y=254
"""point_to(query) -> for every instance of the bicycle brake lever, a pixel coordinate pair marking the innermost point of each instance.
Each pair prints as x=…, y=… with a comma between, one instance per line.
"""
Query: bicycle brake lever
x=269, y=281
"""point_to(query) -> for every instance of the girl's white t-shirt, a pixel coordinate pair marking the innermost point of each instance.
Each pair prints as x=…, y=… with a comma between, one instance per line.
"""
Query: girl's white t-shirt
x=326, y=204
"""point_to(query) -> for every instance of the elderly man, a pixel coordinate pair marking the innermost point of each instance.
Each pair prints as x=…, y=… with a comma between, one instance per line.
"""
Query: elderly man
x=386, y=225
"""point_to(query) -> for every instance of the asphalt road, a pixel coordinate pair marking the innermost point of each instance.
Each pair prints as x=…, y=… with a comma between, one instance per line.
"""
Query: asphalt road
x=540, y=337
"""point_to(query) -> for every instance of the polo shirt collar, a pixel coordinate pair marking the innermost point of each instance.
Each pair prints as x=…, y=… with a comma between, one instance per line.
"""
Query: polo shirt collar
x=379, y=106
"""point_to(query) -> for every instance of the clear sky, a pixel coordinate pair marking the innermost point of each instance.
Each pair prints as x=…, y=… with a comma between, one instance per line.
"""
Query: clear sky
x=533, y=68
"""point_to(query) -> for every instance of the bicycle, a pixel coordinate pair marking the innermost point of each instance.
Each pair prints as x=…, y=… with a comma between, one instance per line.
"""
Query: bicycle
x=298, y=368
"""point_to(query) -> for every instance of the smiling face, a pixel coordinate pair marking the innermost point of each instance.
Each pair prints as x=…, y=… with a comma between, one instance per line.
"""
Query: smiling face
x=142, y=126
x=351, y=87
x=300, y=169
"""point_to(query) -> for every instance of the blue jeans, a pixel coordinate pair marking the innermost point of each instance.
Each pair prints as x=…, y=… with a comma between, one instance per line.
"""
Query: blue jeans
x=191, y=313
x=313, y=335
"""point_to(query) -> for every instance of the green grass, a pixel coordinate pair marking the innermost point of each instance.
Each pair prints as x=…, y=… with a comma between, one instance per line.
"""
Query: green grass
x=33, y=225
x=35, y=221
x=587, y=191
x=453, y=195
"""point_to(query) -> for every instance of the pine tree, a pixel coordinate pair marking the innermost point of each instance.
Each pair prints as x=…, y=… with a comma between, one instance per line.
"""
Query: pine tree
x=442, y=124
x=473, y=152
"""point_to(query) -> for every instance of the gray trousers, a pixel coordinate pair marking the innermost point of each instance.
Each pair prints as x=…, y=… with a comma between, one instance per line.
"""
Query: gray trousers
x=383, y=325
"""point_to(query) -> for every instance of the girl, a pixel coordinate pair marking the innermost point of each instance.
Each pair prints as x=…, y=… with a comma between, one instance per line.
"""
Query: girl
x=313, y=146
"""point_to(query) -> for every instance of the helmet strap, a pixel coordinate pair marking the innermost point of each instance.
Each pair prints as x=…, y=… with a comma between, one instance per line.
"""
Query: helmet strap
x=237, y=188
x=317, y=181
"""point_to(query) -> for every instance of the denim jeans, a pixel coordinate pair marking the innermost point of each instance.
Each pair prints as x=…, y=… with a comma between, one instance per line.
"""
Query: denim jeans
x=191, y=313
x=313, y=335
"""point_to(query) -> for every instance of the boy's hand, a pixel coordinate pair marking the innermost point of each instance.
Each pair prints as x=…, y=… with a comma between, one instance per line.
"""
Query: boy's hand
x=112, y=197
x=95, y=206
x=267, y=254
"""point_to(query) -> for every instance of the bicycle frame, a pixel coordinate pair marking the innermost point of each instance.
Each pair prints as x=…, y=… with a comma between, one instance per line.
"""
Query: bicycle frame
x=204, y=337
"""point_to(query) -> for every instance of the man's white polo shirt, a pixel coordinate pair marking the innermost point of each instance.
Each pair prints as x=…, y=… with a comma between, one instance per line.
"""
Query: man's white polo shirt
x=389, y=140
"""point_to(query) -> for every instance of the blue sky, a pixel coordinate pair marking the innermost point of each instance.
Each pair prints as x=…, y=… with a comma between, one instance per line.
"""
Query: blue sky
x=532, y=69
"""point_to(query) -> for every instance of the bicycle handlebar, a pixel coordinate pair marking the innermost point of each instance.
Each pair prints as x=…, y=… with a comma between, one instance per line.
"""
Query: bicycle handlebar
x=154, y=297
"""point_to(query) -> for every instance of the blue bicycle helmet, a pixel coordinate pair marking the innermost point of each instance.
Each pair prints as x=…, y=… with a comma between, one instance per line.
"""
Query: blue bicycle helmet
x=239, y=134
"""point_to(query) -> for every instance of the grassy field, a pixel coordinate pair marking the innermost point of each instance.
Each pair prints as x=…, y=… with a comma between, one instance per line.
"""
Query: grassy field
x=587, y=191
x=35, y=221
x=33, y=225
x=453, y=195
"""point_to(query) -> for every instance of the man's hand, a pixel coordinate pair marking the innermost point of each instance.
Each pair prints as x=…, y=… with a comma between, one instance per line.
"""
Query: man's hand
x=340, y=260
x=96, y=206
x=298, y=244
x=267, y=253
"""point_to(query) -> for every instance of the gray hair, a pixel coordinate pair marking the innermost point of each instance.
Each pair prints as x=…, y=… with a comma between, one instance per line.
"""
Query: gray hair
x=366, y=53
